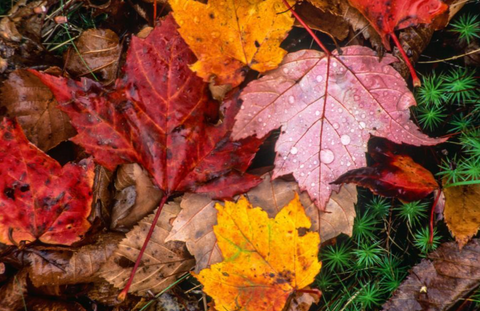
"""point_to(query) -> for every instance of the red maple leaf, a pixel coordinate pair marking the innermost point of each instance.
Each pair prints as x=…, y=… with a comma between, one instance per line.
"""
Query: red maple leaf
x=39, y=199
x=161, y=116
x=394, y=175
x=386, y=16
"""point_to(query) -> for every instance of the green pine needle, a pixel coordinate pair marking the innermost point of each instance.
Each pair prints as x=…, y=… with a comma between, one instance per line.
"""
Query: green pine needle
x=460, y=123
x=379, y=206
x=467, y=27
x=337, y=257
x=370, y=296
x=432, y=91
x=364, y=226
x=412, y=212
x=430, y=117
x=325, y=281
x=422, y=240
x=461, y=85
x=368, y=254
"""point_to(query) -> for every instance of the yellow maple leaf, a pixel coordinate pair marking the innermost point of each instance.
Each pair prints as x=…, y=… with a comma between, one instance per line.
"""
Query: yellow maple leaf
x=227, y=35
x=265, y=259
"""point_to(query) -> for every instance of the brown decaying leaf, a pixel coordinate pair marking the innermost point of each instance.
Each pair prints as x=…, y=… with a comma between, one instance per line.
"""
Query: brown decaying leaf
x=136, y=196
x=162, y=263
x=13, y=292
x=462, y=212
x=106, y=294
x=25, y=97
x=42, y=304
x=102, y=195
x=449, y=275
x=324, y=21
x=100, y=49
x=73, y=266
x=194, y=224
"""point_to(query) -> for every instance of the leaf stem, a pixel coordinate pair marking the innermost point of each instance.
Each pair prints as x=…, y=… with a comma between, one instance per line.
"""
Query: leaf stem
x=124, y=292
x=463, y=183
x=416, y=80
x=430, y=240
x=307, y=28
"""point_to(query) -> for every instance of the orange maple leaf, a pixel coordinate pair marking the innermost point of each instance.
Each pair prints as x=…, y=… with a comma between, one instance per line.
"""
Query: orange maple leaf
x=229, y=35
x=265, y=259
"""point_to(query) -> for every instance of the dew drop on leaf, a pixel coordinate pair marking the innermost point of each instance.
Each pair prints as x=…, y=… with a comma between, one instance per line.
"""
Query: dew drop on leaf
x=327, y=156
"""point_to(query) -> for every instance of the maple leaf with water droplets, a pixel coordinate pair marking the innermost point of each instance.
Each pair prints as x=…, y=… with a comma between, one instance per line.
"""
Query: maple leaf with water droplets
x=326, y=122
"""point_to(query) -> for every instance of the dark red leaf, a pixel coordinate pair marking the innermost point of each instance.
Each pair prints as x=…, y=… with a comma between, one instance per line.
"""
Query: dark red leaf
x=38, y=198
x=396, y=175
x=159, y=115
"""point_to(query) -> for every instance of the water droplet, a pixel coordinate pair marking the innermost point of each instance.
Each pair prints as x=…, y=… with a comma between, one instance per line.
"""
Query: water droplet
x=243, y=107
x=302, y=166
x=336, y=125
x=386, y=69
x=327, y=156
x=294, y=150
x=269, y=116
x=334, y=64
x=362, y=125
x=315, y=162
x=291, y=99
x=285, y=70
x=356, y=97
x=317, y=113
x=345, y=139
x=319, y=78
x=313, y=184
x=363, y=116
x=348, y=163
x=407, y=127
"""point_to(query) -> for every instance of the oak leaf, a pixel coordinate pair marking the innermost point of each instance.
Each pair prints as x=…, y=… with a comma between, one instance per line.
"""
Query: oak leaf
x=325, y=127
x=229, y=35
x=393, y=175
x=265, y=260
x=194, y=224
x=163, y=262
x=39, y=199
x=462, y=211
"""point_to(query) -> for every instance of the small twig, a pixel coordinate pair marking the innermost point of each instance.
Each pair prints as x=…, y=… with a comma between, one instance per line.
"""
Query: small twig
x=413, y=73
x=450, y=58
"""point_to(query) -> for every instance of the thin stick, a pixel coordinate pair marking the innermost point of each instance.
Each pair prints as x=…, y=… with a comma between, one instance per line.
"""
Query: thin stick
x=430, y=241
x=450, y=58
x=124, y=292
x=416, y=80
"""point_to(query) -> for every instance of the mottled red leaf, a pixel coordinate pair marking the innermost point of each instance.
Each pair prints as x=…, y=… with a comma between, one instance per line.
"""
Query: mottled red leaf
x=394, y=175
x=386, y=16
x=325, y=127
x=38, y=198
x=159, y=115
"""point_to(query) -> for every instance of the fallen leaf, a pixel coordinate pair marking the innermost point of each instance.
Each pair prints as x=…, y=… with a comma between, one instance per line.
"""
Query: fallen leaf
x=136, y=196
x=385, y=16
x=40, y=199
x=12, y=294
x=303, y=301
x=159, y=115
x=325, y=132
x=229, y=35
x=25, y=97
x=102, y=195
x=43, y=304
x=194, y=224
x=106, y=294
x=163, y=262
x=450, y=275
x=393, y=175
x=98, y=52
x=324, y=21
x=266, y=260
x=462, y=211
x=72, y=266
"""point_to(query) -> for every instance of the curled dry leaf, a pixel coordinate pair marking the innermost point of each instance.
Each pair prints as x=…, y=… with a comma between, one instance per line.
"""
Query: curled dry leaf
x=325, y=127
x=100, y=49
x=438, y=283
x=73, y=266
x=194, y=224
x=229, y=35
x=25, y=97
x=162, y=263
x=393, y=175
x=462, y=211
x=102, y=195
x=40, y=199
x=136, y=196
x=12, y=294
x=265, y=259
